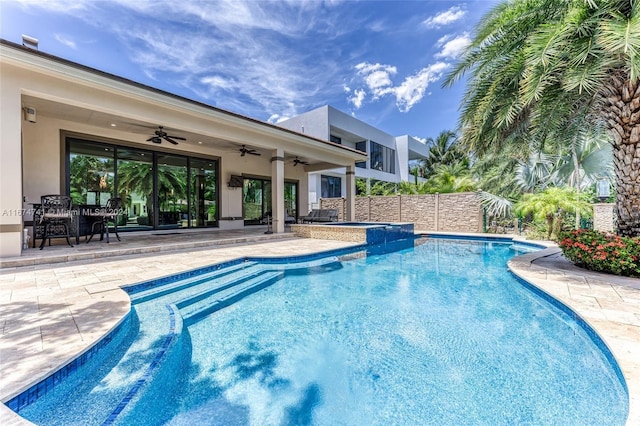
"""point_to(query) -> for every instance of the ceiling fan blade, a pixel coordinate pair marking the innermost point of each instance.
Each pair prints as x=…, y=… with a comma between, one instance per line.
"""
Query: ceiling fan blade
x=156, y=139
x=252, y=152
x=151, y=138
x=168, y=139
x=177, y=138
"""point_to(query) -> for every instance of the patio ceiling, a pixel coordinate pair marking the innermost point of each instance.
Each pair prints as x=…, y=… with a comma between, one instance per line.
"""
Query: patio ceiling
x=138, y=131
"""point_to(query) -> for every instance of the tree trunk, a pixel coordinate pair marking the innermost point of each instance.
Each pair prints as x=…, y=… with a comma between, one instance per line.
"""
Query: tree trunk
x=549, y=226
x=621, y=110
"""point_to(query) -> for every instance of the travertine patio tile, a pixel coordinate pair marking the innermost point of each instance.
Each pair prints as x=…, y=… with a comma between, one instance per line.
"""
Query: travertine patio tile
x=621, y=317
x=618, y=305
x=584, y=302
x=627, y=294
x=590, y=314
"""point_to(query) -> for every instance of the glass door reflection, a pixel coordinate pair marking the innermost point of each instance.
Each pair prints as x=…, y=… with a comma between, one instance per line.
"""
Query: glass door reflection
x=135, y=186
x=172, y=191
x=202, y=195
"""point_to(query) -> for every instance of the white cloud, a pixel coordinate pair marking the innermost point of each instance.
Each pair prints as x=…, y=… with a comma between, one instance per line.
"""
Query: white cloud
x=378, y=80
x=453, y=48
x=411, y=91
x=445, y=18
x=277, y=118
x=65, y=40
x=358, y=98
x=377, y=77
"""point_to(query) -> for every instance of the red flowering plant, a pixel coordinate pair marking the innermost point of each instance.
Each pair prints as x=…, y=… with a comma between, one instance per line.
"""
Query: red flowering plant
x=602, y=252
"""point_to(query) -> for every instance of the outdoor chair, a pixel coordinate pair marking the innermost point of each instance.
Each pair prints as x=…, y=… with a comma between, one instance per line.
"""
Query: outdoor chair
x=309, y=218
x=102, y=217
x=56, y=216
x=288, y=218
x=321, y=215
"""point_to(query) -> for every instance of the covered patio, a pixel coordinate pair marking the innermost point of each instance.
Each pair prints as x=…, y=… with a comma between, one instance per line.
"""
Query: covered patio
x=73, y=130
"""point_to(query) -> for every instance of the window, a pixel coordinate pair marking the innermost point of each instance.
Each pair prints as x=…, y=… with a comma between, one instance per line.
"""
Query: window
x=331, y=186
x=382, y=158
x=335, y=139
x=361, y=146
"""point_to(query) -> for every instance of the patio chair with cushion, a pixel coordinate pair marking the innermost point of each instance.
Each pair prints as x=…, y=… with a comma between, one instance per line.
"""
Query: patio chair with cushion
x=55, y=218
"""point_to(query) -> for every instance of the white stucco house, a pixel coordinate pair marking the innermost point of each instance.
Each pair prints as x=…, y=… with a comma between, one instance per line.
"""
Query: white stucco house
x=77, y=131
x=388, y=156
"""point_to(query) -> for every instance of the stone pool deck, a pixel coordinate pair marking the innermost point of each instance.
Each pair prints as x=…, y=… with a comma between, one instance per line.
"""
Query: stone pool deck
x=51, y=312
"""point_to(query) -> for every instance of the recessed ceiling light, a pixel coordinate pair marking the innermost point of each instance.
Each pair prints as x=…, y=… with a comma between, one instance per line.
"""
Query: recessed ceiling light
x=113, y=124
x=199, y=142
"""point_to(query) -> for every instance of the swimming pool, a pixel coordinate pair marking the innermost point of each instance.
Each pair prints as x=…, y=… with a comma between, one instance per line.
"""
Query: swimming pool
x=436, y=333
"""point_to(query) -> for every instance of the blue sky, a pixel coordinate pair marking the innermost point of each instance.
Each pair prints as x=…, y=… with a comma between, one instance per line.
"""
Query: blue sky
x=381, y=61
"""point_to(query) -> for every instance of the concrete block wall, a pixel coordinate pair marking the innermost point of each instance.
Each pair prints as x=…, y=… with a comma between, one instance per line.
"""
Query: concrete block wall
x=458, y=212
x=362, y=209
x=420, y=210
x=335, y=203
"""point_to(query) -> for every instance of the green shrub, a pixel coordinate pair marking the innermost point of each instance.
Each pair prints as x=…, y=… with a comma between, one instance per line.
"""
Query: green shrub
x=602, y=252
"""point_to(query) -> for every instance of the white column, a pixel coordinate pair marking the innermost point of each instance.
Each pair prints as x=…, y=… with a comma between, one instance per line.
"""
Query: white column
x=11, y=171
x=277, y=189
x=350, y=214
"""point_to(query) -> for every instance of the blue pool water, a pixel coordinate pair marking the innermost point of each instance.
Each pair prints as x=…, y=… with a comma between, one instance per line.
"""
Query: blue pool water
x=438, y=333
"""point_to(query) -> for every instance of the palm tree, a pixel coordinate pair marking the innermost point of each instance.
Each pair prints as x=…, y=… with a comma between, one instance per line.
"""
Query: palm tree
x=540, y=66
x=545, y=206
x=451, y=178
x=443, y=150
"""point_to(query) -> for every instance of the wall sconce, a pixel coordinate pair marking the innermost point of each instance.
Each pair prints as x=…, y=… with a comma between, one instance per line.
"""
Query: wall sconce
x=30, y=114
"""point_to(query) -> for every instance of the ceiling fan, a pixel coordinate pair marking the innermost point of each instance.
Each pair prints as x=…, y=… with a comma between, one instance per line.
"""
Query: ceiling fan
x=244, y=151
x=161, y=134
x=297, y=161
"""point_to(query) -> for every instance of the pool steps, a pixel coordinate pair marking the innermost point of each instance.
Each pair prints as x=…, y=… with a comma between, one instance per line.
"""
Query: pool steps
x=230, y=295
x=162, y=290
x=199, y=292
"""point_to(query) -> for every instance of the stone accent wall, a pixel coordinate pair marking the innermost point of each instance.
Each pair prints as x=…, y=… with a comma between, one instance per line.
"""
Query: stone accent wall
x=603, y=217
x=328, y=232
x=458, y=212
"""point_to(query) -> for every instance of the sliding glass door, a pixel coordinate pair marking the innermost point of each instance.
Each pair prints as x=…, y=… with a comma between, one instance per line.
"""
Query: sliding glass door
x=136, y=187
x=172, y=191
x=158, y=190
x=203, y=193
x=256, y=196
x=256, y=200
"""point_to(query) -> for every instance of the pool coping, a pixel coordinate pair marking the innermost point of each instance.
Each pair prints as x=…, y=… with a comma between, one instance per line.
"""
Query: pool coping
x=541, y=276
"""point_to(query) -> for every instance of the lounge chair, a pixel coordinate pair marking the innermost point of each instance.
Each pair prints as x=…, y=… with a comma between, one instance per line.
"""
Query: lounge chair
x=321, y=215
